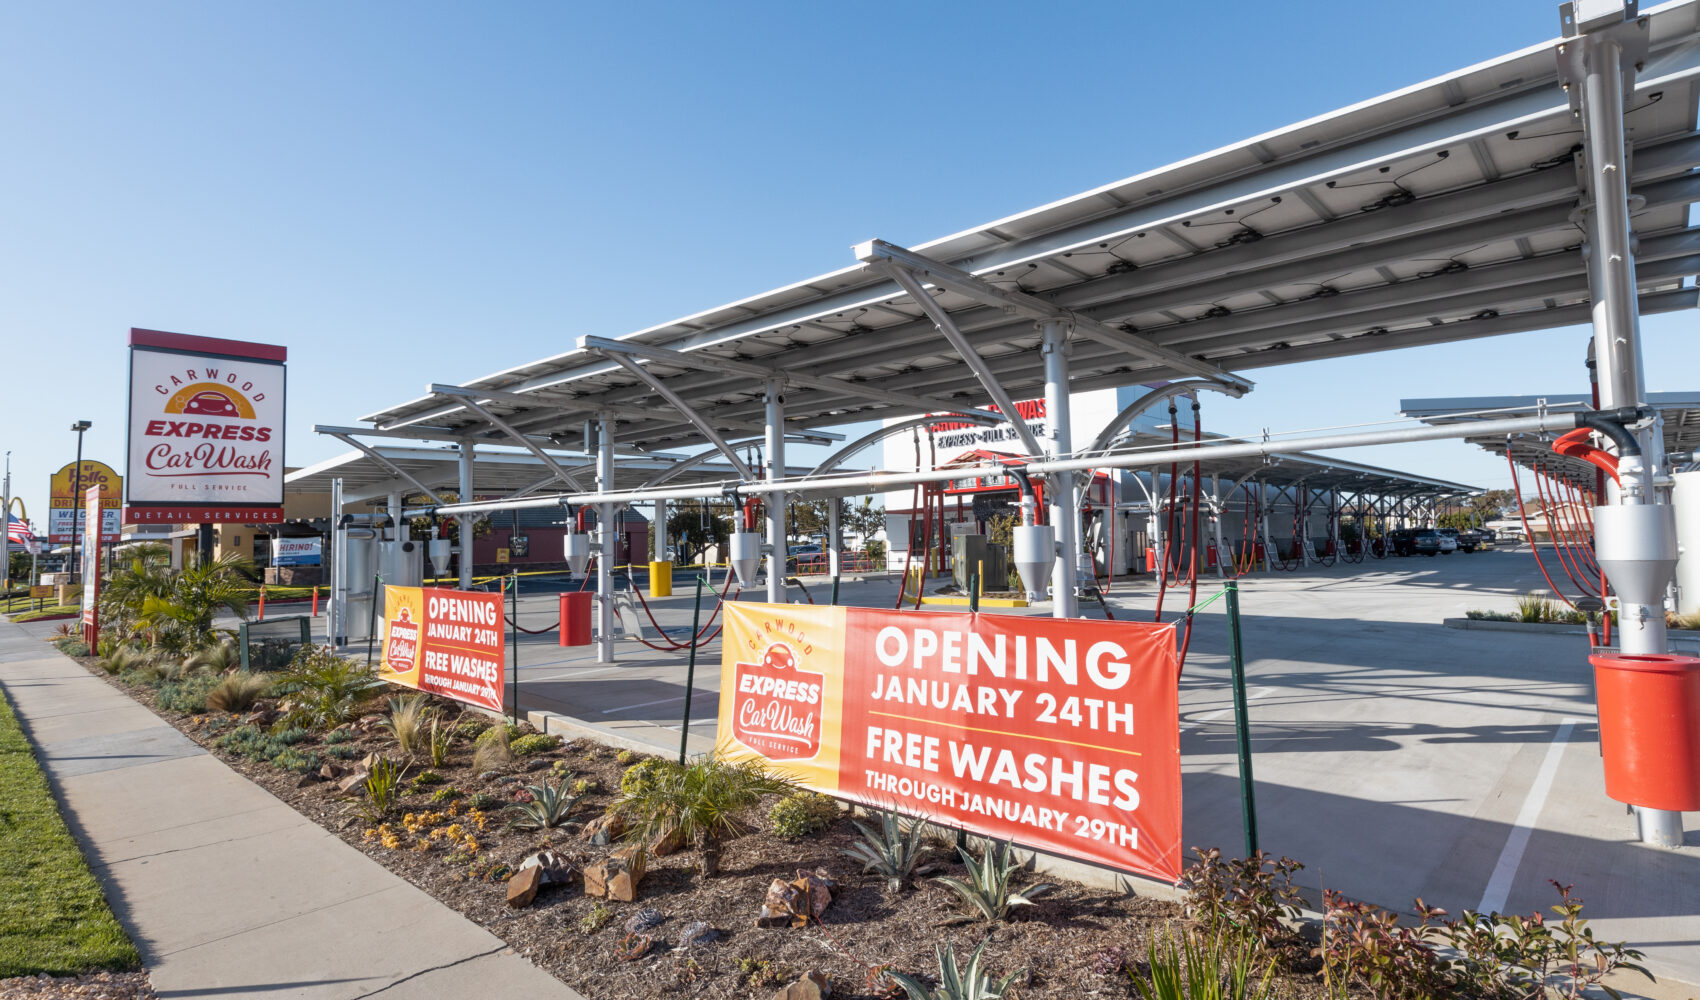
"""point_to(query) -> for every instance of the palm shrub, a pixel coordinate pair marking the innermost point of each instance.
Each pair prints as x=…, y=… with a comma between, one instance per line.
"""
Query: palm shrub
x=237, y=692
x=182, y=621
x=410, y=715
x=987, y=891
x=892, y=851
x=549, y=807
x=323, y=688
x=705, y=801
x=147, y=573
x=967, y=982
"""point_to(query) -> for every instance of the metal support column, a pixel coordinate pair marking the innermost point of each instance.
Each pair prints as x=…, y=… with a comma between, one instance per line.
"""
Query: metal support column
x=1605, y=69
x=1059, y=441
x=1263, y=519
x=607, y=533
x=467, y=454
x=658, y=533
x=336, y=612
x=834, y=540
x=776, y=502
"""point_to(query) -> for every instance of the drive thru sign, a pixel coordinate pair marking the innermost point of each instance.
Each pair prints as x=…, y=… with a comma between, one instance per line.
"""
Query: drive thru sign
x=1058, y=734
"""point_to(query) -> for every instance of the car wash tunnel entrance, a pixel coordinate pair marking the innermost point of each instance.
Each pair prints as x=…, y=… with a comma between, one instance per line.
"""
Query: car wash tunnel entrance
x=1040, y=394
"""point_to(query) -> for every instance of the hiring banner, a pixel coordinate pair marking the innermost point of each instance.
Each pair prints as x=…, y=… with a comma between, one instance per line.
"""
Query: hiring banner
x=206, y=430
x=445, y=642
x=1058, y=734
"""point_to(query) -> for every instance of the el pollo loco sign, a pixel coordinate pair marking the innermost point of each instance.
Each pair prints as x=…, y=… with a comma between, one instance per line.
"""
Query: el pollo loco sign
x=206, y=429
x=1062, y=735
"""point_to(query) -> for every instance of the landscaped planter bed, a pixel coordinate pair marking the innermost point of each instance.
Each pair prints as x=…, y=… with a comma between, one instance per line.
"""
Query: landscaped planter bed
x=1066, y=942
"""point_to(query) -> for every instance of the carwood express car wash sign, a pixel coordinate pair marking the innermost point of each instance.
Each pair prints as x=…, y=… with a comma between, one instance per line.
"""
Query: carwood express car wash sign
x=1062, y=735
x=206, y=430
x=446, y=642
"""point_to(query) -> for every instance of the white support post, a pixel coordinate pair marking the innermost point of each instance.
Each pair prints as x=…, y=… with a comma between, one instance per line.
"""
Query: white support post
x=392, y=504
x=1217, y=508
x=1263, y=519
x=834, y=539
x=1633, y=547
x=467, y=456
x=608, y=533
x=776, y=557
x=336, y=611
x=1301, y=516
x=658, y=533
x=1059, y=441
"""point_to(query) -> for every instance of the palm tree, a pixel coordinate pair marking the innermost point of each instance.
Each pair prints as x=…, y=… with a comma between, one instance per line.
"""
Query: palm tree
x=182, y=621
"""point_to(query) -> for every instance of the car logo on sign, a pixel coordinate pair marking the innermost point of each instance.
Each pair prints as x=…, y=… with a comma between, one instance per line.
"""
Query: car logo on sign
x=776, y=706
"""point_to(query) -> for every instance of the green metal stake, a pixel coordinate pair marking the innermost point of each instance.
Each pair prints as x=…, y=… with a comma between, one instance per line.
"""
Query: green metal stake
x=690, y=676
x=835, y=590
x=974, y=591
x=513, y=603
x=372, y=619
x=1242, y=724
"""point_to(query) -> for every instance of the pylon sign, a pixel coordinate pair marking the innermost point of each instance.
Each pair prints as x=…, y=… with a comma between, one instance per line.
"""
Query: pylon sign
x=66, y=505
x=206, y=430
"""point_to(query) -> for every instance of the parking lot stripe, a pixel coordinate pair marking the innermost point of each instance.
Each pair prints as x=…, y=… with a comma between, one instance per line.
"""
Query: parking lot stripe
x=1505, y=871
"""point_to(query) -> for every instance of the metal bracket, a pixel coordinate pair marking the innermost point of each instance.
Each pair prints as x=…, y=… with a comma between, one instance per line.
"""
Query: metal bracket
x=1587, y=23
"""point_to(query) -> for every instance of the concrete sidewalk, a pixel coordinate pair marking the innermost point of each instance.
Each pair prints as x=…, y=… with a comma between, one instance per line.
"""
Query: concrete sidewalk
x=227, y=891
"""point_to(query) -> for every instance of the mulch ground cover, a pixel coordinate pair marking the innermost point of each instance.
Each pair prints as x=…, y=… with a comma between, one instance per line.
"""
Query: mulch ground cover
x=1076, y=942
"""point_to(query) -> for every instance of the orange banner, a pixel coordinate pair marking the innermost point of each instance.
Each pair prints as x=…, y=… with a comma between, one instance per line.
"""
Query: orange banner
x=446, y=642
x=1058, y=734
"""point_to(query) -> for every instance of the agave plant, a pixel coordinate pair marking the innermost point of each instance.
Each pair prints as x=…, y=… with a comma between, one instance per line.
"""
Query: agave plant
x=893, y=851
x=987, y=890
x=549, y=807
x=968, y=982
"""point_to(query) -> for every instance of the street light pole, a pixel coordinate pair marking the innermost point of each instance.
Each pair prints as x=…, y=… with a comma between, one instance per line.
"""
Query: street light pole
x=77, y=525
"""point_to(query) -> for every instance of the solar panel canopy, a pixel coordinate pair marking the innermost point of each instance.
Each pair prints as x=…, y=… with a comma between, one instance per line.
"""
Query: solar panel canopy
x=1442, y=212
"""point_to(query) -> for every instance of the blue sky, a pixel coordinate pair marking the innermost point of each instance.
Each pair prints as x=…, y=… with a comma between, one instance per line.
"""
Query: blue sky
x=407, y=193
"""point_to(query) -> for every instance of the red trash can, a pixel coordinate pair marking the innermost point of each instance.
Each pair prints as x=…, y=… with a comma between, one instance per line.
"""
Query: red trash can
x=575, y=618
x=1650, y=728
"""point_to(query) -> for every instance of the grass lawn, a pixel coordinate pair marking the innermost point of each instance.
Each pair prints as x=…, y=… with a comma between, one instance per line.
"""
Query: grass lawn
x=53, y=914
x=50, y=611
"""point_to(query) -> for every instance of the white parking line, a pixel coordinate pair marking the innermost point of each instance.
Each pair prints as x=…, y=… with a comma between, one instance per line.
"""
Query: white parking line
x=1201, y=720
x=1505, y=871
x=662, y=701
x=575, y=674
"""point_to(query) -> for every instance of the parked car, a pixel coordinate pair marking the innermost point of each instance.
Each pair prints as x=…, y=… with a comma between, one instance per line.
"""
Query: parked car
x=1430, y=542
x=805, y=556
x=1463, y=540
x=1402, y=541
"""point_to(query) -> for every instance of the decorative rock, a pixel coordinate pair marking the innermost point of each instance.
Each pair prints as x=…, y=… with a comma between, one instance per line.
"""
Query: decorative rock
x=352, y=783
x=307, y=780
x=259, y=717
x=537, y=765
x=330, y=772
x=522, y=888
x=367, y=723
x=695, y=935
x=669, y=841
x=370, y=761
x=618, y=876
x=813, y=986
x=796, y=902
x=555, y=867
x=643, y=920
x=605, y=829
x=489, y=775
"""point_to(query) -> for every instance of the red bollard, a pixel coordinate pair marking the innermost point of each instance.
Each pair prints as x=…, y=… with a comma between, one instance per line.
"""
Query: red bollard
x=575, y=618
x=315, y=600
x=1650, y=728
x=262, y=602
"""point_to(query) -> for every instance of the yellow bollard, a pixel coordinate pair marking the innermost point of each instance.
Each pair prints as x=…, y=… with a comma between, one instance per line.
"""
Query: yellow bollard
x=661, y=579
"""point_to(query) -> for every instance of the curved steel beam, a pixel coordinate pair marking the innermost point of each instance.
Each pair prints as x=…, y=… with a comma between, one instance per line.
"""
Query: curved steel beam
x=838, y=457
x=1106, y=436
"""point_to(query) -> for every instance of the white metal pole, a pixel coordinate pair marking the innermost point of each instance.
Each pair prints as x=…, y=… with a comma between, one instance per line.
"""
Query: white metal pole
x=1617, y=347
x=658, y=532
x=468, y=455
x=777, y=554
x=608, y=532
x=1263, y=519
x=1059, y=441
x=336, y=612
x=834, y=539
